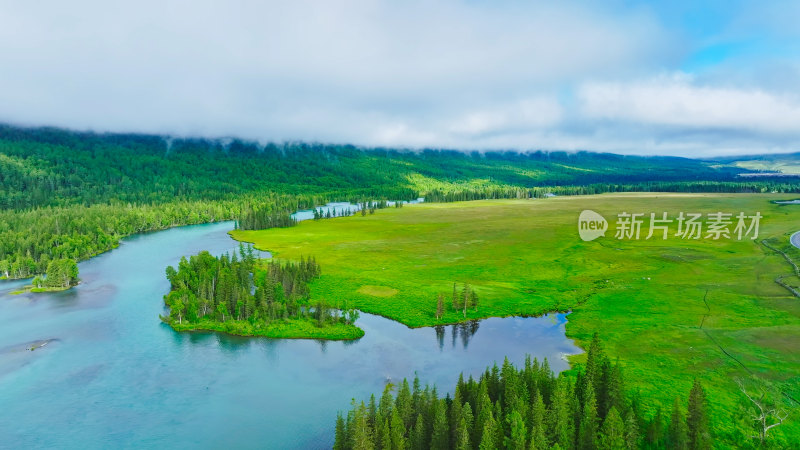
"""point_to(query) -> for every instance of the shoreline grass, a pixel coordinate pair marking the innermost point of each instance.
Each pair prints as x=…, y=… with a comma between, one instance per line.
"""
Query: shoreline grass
x=30, y=288
x=647, y=298
x=293, y=329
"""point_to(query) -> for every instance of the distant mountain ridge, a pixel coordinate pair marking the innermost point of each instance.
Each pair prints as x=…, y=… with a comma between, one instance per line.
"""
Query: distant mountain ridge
x=50, y=166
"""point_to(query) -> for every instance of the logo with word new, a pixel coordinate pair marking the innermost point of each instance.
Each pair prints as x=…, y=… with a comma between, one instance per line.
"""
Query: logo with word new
x=633, y=226
x=591, y=225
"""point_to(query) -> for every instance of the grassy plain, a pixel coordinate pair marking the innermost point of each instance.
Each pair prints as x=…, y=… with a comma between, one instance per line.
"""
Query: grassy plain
x=290, y=329
x=671, y=310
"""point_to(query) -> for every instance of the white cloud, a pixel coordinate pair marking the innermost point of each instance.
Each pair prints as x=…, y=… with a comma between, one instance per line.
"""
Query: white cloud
x=446, y=73
x=293, y=70
x=532, y=113
x=678, y=102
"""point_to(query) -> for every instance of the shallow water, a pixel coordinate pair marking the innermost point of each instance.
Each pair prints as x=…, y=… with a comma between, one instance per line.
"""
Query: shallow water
x=112, y=375
x=337, y=209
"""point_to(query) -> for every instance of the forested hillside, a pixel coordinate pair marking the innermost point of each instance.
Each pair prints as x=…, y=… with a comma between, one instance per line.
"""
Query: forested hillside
x=73, y=195
x=787, y=163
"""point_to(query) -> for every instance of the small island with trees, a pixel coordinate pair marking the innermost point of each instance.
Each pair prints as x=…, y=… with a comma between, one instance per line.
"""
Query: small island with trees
x=242, y=295
x=61, y=274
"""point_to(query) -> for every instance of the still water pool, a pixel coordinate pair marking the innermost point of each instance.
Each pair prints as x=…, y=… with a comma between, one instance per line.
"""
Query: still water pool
x=111, y=375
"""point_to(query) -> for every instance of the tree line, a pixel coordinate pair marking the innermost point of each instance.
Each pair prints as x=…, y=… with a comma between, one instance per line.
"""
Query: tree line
x=457, y=193
x=525, y=408
x=74, y=195
x=462, y=300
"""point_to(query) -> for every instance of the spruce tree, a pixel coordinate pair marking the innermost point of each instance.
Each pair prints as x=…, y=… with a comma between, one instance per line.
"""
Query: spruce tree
x=518, y=432
x=484, y=412
x=440, y=440
x=612, y=433
x=404, y=404
x=632, y=437
x=462, y=436
x=418, y=434
x=538, y=439
x=655, y=428
x=455, y=415
x=488, y=435
x=386, y=402
x=587, y=436
x=398, y=431
x=465, y=298
x=383, y=435
x=372, y=410
x=594, y=364
x=469, y=419
x=676, y=433
x=559, y=416
x=362, y=433
x=697, y=419
x=340, y=439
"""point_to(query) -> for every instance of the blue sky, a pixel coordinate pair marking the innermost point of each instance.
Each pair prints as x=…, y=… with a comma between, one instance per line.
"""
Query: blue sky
x=680, y=77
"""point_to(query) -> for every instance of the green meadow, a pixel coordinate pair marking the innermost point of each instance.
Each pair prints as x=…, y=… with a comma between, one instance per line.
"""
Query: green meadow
x=671, y=310
x=289, y=329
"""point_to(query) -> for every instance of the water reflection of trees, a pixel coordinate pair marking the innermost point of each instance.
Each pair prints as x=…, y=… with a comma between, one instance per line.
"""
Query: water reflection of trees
x=464, y=331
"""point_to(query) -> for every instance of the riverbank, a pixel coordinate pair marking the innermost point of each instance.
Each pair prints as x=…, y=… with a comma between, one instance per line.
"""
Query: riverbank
x=31, y=288
x=688, y=304
x=290, y=329
x=109, y=341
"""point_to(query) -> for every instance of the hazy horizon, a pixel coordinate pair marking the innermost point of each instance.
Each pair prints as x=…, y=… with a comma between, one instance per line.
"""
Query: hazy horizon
x=227, y=140
x=627, y=77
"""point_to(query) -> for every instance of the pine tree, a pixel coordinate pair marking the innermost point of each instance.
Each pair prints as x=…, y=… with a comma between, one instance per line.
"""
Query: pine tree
x=655, y=428
x=612, y=433
x=465, y=297
x=440, y=440
x=488, y=435
x=462, y=436
x=587, y=437
x=612, y=387
x=455, y=414
x=398, y=431
x=440, y=306
x=418, y=434
x=528, y=408
x=676, y=433
x=404, y=404
x=340, y=441
x=362, y=433
x=594, y=363
x=469, y=419
x=372, y=410
x=385, y=405
x=697, y=419
x=631, y=432
x=384, y=435
x=559, y=416
x=538, y=439
x=519, y=433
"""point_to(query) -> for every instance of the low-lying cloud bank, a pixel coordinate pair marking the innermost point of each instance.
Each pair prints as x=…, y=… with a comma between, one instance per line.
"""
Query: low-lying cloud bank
x=467, y=75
